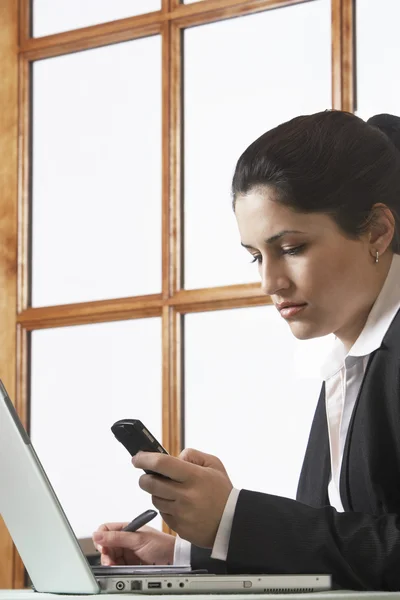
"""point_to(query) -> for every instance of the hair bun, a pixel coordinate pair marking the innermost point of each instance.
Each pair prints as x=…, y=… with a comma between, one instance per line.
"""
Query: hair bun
x=389, y=124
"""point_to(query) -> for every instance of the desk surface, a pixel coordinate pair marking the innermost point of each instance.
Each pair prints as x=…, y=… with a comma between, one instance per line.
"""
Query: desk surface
x=30, y=595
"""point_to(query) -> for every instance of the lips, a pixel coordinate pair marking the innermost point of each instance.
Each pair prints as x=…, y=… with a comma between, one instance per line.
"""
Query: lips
x=289, y=310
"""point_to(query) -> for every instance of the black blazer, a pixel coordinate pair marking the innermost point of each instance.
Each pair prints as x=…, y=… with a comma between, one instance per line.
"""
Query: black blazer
x=360, y=547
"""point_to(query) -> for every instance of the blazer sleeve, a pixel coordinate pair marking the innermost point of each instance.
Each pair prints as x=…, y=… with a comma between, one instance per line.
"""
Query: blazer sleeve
x=271, y=534
x=200, y=558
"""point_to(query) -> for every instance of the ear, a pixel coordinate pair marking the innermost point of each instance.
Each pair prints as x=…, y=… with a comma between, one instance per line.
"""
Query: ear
x=381, y=229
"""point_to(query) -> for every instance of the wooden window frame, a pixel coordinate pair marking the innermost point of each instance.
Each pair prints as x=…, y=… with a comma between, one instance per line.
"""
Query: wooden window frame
x=17, y=51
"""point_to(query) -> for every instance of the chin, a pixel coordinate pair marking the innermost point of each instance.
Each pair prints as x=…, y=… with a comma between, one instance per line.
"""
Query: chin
x=304, y=331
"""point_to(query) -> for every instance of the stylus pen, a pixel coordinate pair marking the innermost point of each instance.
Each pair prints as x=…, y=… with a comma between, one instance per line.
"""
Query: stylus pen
x=141, y=520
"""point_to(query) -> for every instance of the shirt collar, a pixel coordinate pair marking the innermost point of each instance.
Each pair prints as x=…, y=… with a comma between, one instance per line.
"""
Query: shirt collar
x=382, y=313
x=378, y=322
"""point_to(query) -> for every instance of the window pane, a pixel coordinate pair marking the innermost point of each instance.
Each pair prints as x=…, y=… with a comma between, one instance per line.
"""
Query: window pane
x=54, y=16
x=242, y=77
x=378, y=55
x=83, y=380
x=251, y=392
x=97, y=174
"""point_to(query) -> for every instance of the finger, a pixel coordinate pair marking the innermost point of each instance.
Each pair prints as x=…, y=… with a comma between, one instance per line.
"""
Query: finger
x=111, y=526
x=158, y=486
x=109, y=551
x=201, y=459
x=106, y=561
x=171, y=521
x=114, y=552
x=171, y=467
x=168, y=507
x=115, y=539
x=107, y=557
x=107, y=527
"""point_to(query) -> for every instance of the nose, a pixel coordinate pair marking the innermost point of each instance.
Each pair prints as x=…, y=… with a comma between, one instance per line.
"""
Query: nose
x=273, y=279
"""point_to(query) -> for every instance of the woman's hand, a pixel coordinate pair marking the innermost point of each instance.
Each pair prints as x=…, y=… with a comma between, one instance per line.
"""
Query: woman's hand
x=146, y=546
x=193, y=500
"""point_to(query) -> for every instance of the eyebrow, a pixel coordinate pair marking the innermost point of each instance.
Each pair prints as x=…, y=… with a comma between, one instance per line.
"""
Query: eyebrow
x=276, y=237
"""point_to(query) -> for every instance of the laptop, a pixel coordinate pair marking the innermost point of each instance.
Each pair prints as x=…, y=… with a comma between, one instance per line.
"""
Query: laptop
x=51, y=552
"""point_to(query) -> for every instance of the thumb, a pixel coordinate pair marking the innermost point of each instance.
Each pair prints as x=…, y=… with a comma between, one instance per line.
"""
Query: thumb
x=117, y=539
x=202, y=459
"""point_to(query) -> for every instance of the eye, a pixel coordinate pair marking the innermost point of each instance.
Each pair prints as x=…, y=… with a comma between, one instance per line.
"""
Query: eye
x=294, y=251
x=256, y=258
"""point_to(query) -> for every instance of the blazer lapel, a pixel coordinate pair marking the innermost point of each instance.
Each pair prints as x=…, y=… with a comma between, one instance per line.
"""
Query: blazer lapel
x=344, y=473
x=371, y=398
x=314, y=477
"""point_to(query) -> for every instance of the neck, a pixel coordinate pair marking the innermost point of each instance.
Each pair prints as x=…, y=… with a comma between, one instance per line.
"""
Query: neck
x=349, y=334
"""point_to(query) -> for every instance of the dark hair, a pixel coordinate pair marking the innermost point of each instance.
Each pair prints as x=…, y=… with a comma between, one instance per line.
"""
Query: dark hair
x=330, y=162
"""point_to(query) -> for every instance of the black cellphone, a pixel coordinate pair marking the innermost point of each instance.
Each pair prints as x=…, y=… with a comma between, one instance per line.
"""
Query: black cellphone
x=136, y=437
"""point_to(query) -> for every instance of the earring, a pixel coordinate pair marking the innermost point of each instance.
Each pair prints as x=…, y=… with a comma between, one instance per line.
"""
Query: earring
x=377, y=257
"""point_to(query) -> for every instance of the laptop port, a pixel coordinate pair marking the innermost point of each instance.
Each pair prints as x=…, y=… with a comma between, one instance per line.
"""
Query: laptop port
x=154, y=584
x=136, y=585
x=120, y=585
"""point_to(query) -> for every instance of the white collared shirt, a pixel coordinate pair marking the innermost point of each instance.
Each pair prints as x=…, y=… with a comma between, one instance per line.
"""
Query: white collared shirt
x=343, y=374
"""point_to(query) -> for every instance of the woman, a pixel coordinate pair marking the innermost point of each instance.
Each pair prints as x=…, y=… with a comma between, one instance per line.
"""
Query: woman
x=317, y=201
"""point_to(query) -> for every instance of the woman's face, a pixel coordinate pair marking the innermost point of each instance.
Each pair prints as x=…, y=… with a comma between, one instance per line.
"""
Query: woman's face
x=304, y=259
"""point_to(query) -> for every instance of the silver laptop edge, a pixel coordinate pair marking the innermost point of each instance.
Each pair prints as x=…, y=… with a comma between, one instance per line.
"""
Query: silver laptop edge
x=51, y=553
x=212, y=584
x=34, y=516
